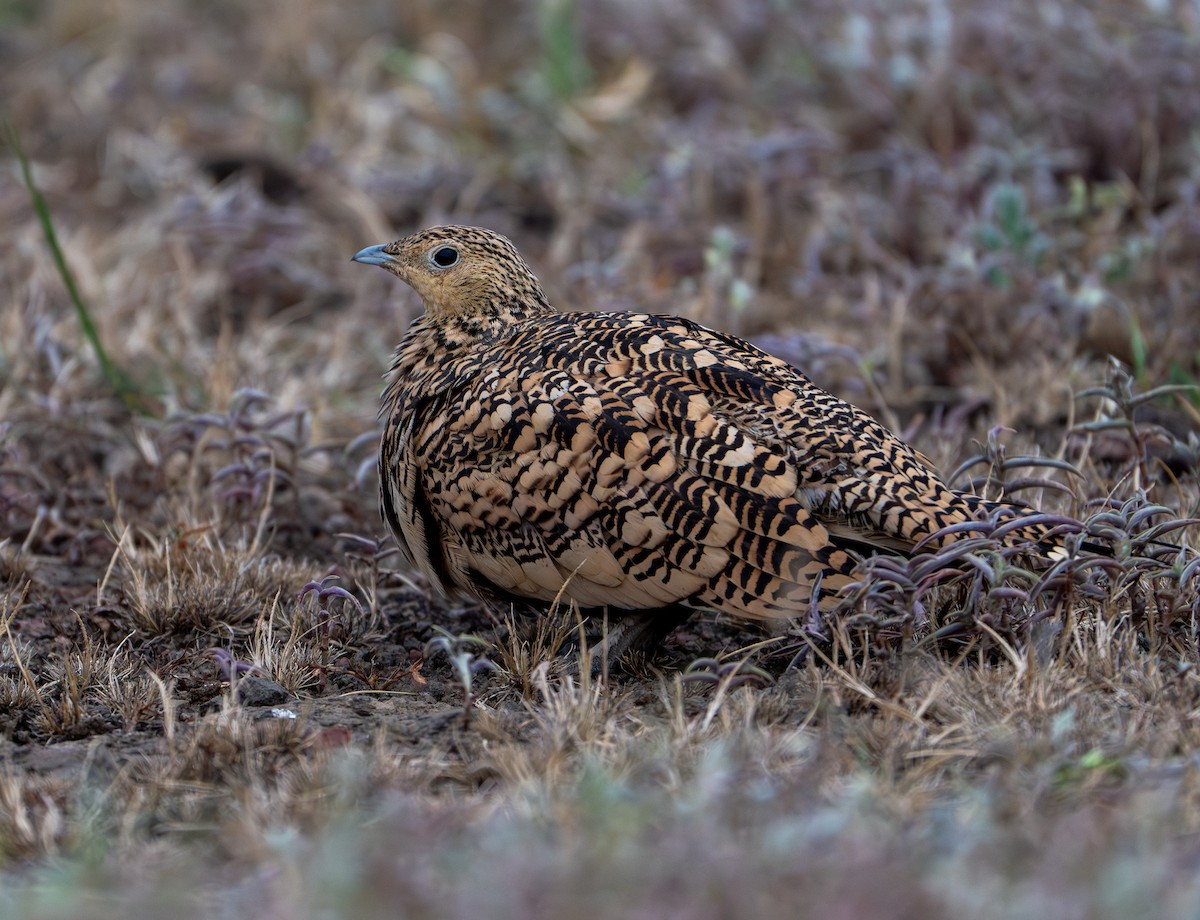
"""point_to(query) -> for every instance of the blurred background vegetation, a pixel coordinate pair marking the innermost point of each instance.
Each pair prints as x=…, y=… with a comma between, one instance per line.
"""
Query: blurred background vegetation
x=947, y=188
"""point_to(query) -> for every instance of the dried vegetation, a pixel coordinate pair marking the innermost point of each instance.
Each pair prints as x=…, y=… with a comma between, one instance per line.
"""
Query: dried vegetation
x=219, y=695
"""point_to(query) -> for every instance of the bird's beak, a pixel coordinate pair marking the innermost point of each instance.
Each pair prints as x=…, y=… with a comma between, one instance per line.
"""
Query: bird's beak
x=373, y=255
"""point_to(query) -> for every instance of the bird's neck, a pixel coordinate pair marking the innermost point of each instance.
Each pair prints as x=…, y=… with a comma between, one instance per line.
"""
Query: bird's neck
x=436, y=345
x=477, y=326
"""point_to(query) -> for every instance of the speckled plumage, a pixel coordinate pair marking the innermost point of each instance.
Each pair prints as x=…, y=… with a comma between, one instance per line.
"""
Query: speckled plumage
x=625, y=460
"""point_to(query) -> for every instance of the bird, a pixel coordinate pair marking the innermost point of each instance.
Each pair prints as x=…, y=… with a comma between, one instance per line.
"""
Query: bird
x=637, y=464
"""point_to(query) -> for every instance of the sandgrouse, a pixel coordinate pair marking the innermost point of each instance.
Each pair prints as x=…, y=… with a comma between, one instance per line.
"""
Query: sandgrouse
x=630, y=462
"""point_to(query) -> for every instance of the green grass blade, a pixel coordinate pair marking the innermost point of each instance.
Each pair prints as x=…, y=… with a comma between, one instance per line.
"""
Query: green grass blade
x=121, y=383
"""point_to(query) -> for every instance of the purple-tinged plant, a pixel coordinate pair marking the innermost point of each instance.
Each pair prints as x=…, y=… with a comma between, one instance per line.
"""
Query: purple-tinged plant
x=229, y=667
x=261, y=449
x=325, y=592
x=725, y=676
x=372, y=552
x=992, y=453
x=368, y=443
x=1117, y=412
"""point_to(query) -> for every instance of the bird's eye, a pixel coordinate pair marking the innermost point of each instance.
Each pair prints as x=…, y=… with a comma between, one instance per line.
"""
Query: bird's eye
x=445, y=256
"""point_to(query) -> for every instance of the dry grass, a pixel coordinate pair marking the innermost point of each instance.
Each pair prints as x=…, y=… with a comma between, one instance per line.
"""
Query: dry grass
x=217, y=693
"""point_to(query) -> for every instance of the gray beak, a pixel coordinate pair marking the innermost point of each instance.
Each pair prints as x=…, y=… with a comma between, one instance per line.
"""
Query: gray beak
x=373, y=255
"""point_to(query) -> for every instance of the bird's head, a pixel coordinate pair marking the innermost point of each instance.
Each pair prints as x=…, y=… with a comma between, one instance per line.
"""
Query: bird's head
x=461, y=270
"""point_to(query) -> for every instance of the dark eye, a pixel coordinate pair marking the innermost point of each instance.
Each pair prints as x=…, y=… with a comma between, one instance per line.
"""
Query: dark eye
x=445, y=256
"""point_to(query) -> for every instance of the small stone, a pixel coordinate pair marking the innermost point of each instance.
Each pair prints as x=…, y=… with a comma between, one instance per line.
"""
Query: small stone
x=260, y=691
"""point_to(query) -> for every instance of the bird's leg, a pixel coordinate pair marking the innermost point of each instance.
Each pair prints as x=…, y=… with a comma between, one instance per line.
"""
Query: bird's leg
x=636, y=631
